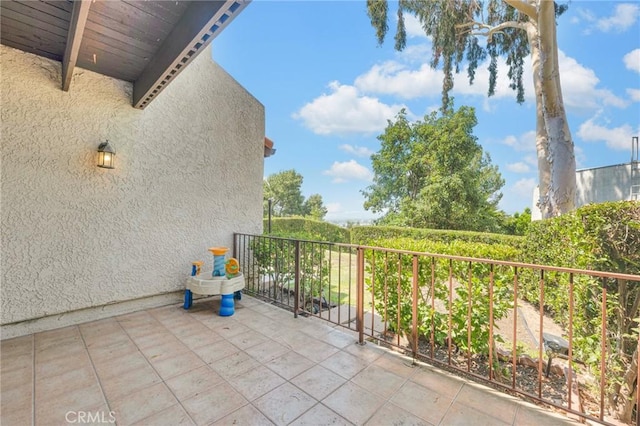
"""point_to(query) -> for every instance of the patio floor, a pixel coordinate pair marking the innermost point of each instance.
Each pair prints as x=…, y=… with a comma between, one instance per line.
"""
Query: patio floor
x=168, y=366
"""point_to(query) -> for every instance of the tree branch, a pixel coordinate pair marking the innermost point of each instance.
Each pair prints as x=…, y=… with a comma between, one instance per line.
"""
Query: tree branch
x=523, y=7
x=480, y=29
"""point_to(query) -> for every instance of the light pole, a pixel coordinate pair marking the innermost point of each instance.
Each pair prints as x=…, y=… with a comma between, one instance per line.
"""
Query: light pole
x=270, y=201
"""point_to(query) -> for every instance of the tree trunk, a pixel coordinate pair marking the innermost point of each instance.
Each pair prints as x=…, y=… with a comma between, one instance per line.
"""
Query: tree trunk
x=544, y=166
x=558, y=196
x=623, y=399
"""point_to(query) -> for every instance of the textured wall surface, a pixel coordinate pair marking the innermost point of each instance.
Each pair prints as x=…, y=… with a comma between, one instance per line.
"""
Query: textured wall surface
x=188, y=174
x=602, y=184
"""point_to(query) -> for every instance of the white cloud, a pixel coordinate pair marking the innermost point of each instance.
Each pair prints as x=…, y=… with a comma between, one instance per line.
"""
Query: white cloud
x=524, y=188
x=616, y=138
x=348, y=170
x=394, y=78
x=634, y=94
x=359, y=151
x=579, y=86
x=398, y=78
x=412, y=26
x=632, y=60
x=345, y=111
x=333, y=208
x=518, y=167
x=524, y=142
x=623, y=18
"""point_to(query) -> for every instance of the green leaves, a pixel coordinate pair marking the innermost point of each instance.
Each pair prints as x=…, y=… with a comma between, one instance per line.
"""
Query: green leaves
x=284, y=191
x=434, y=174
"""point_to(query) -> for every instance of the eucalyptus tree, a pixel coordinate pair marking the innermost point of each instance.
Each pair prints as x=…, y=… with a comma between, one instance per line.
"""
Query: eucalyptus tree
x=513, y=29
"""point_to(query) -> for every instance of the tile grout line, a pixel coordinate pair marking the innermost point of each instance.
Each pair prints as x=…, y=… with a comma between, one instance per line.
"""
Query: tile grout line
x=163, y=381
x=93, y=366
x=453, y=400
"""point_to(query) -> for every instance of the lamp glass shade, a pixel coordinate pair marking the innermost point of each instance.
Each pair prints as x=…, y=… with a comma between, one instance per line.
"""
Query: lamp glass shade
x=106, y=155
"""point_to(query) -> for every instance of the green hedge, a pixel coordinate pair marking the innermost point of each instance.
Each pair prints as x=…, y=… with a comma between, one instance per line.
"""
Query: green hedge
x=604, y=237
x=306, y=229
x=365, y=235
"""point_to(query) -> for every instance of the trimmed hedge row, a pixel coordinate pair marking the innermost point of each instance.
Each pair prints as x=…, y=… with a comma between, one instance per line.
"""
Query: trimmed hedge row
x=307, y=229
x=366, y=235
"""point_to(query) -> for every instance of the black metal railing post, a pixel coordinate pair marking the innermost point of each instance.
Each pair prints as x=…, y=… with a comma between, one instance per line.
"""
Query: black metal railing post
x=296, y=288
x=360, y=296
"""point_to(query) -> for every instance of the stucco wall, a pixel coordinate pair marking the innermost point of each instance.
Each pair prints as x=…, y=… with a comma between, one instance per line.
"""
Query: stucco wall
x=598, y=185
x=188, y=174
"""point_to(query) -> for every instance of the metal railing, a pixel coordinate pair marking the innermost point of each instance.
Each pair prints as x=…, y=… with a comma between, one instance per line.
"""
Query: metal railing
x=503, y=323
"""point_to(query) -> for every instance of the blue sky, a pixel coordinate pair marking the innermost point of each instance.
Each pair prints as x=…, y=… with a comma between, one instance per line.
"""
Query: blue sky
x=328, y=90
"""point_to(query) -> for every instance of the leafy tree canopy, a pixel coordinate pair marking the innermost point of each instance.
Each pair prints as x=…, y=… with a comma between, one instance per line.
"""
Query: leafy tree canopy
x=434, y=174
x=284, y=190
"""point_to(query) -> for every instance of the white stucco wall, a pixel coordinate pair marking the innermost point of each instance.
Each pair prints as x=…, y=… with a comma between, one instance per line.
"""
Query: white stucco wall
x=188, y=174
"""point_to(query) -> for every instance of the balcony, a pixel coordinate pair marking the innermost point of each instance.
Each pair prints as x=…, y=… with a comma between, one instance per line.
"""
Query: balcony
x=260, y=366
x=330, y=334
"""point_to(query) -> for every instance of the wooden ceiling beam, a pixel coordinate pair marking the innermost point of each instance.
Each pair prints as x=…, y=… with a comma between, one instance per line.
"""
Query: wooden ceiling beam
x=77, y=23
x=201, y=22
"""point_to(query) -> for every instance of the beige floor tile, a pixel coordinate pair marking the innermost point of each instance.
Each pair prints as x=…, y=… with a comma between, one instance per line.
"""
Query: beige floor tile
x=320, y=415
x=354, y=403
x=460, y=415
x=290, y=364
x=178, y=364
x=267, y=351
x=316, y=328
x=172, y=416
x=248, y=339
x=488, y=401
x=213, y=404
x=256, y=382
x=17, y=416
x=80, y=377
x=397, y=364
x=318, y=382
x=530, y=415
x=14, y=377
x=17, y=347
x=110, y=367
x=164, y=350
x=227, y=328
x=369, y=352
x=57, y=338
x=188, y=384
x=294, y=339
x=446, y=385
x=120, y=385
x=234, y=365
x=75, y=349
x=61, y=365
x=201, y=338
x=19, y=396
x=391, y=414
x=338, y=339
x=52, y=408
x=316, y=350
x=215, y=351
x=284, y=404
x=247, y=415
x=142, y=404
x=379, y=381
x=422, y=402
x=344, y=364
x=115, y=338
x=116, y=350
x=153, y=337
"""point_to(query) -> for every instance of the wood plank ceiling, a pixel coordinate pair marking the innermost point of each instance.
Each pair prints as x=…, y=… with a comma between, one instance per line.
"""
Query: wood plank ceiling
x=146, y=42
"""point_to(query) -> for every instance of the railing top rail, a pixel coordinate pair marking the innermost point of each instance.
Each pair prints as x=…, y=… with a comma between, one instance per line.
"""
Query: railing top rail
x=575, y=271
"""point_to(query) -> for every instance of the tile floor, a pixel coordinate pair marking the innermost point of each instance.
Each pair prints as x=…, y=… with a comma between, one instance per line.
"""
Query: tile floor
x=168, y=366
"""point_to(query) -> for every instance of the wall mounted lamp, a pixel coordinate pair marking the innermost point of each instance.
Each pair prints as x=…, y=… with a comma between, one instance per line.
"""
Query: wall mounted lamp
x=106, y=155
